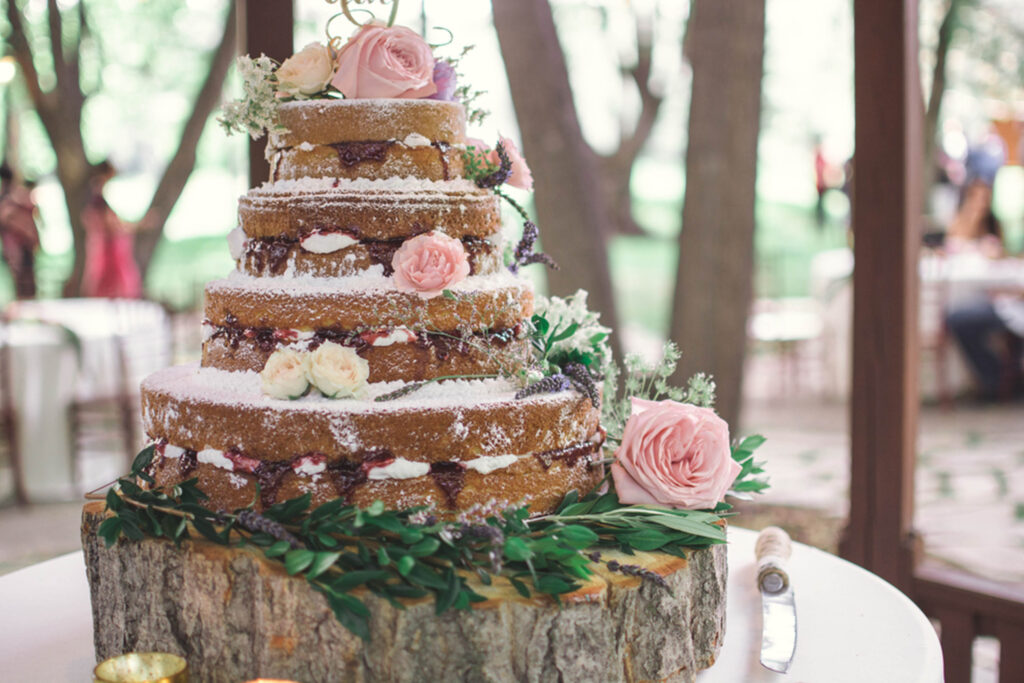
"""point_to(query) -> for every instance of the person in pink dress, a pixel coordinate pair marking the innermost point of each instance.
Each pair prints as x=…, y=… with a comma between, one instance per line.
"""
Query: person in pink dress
x=110, y=268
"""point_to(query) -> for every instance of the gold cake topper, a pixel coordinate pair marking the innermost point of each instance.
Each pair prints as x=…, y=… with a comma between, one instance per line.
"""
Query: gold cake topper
x=347, y=11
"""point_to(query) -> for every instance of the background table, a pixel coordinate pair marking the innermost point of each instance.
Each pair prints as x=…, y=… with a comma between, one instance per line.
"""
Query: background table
x=68, y=352
x=852, y=626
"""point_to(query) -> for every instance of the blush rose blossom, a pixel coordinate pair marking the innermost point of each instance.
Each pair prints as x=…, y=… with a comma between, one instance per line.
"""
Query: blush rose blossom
x=429, y=264
x=385, y=61
x=307, y=72
x=338, y=371
x=285, y=374
x=674, y=454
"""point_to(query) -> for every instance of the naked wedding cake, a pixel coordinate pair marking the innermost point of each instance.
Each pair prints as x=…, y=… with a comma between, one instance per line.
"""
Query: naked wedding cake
x=386, y=409
x=368, y=263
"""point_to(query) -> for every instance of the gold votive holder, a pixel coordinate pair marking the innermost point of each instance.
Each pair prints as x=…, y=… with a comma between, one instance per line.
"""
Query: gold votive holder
x=142, y=667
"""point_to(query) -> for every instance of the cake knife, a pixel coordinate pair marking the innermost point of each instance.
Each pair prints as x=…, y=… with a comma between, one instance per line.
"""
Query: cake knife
x=778, y=608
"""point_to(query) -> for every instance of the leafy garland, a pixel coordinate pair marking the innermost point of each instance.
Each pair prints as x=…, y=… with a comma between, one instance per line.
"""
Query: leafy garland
x=342, y=550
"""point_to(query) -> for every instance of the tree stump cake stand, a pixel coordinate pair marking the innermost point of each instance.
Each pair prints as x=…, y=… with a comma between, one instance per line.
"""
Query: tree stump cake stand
x=235, y=616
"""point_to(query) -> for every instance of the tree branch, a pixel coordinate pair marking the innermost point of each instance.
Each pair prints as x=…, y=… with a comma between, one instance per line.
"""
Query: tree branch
x=56, y=25
x=24, y=56
x=172, y=183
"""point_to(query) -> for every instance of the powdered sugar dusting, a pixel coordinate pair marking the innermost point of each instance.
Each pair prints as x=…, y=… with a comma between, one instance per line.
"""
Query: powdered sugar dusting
x=191, y=382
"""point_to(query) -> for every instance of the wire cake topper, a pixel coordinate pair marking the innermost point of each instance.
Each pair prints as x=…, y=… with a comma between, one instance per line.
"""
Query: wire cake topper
x=348, y=12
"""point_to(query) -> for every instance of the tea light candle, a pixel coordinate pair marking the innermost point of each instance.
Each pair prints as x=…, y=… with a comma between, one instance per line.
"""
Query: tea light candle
x=142, y=667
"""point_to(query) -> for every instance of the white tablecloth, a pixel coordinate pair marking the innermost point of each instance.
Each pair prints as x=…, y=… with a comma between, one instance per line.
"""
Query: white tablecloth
x=63, y=350
x=852, y=625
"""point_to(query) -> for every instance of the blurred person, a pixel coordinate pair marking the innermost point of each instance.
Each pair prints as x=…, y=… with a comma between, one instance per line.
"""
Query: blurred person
x=110, y=268
x=975, y=228
x=19, y=232
x=821, y=184
x=990, y=331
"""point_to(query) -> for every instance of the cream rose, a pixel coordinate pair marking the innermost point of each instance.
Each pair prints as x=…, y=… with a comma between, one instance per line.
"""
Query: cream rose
x=285, y=374
x=428, y=264
x=674, y=454
x=338, y=371
x=307, y=72
x=385, y=61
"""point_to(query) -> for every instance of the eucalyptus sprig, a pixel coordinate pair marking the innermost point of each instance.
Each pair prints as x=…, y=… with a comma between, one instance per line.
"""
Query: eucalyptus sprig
x=346, y=552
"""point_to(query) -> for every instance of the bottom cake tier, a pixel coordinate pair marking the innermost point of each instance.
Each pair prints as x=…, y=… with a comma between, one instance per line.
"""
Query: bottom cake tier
x=454, y=446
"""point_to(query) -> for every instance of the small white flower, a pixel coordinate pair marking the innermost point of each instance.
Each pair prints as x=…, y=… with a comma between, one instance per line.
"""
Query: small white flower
x=338, y=371
x=307, y=72
x=285, y=375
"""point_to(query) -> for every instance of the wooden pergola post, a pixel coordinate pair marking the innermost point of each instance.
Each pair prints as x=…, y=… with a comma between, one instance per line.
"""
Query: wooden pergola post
x=886, y=218
x=262, y=31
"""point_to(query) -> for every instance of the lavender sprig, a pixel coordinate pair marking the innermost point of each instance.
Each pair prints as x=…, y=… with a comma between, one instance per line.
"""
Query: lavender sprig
x=254, y=521
x=498, y=177
x=640, y=572
x=583, y=382
x=549, y=385
x=524, y=254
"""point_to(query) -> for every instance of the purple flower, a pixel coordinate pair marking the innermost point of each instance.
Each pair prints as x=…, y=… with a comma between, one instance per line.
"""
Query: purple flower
x=444, y=79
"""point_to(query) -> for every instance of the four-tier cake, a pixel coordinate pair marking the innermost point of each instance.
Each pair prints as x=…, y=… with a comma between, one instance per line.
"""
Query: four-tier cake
x=352, y=182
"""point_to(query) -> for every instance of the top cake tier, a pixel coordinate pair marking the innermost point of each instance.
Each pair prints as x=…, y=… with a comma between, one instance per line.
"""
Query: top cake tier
x=372, y=139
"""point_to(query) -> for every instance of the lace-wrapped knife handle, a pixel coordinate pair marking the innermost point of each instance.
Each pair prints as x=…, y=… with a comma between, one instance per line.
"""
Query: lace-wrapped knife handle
x=772, y=550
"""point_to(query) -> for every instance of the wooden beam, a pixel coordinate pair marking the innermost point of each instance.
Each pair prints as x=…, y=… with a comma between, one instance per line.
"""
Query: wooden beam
x=886, y=215
x=264, y=28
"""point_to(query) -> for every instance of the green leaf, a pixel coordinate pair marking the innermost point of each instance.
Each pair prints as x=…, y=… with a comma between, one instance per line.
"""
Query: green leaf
x=449, y=294
x=577, y=536
x=520, y=587
x=114, y=501
x=553, y=585
x=406, y=564
x=375, y=508
x=645, y=539
x=566, y=333
x=278, y=549
x=449, y=593
x=570, y=499
x=605, y=503
x=296, y=561
x=424, y=576
x=110, y=530
x=143, y=459
x=321, y=563
x=516, y=549
x=347, y=611
x=540, y=324
x=428, y=546
x=350, y=580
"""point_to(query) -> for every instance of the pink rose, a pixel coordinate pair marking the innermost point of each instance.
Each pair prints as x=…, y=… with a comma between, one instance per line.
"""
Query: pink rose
x=674, y=454
x=428, y=264
x=385, y=61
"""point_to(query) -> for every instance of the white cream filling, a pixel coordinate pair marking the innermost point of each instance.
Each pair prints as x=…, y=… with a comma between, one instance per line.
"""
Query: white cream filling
x=399, y=335
x=416, y=140
x=399, y=469
x=488, y=464
x=327, y=242
x=215, y=457
x=309, y=466
x=236, y=243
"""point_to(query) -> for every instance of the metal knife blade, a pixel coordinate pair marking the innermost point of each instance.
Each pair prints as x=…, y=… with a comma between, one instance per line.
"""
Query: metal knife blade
x=778, y=606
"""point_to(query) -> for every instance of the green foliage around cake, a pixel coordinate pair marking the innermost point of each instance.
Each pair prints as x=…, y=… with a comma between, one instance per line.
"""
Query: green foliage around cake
x=344, y=551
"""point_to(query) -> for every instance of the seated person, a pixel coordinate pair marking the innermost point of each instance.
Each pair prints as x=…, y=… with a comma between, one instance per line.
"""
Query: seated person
x=977, y=328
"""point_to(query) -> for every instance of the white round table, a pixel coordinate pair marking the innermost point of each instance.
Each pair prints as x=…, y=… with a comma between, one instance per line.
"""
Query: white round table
x=852, y=626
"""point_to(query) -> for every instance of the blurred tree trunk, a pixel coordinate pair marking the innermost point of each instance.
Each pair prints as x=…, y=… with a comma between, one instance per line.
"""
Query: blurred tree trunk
x=725, y=46
x=568, y=184
x=933, y=101
x=172, y=183
x=60, y=110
